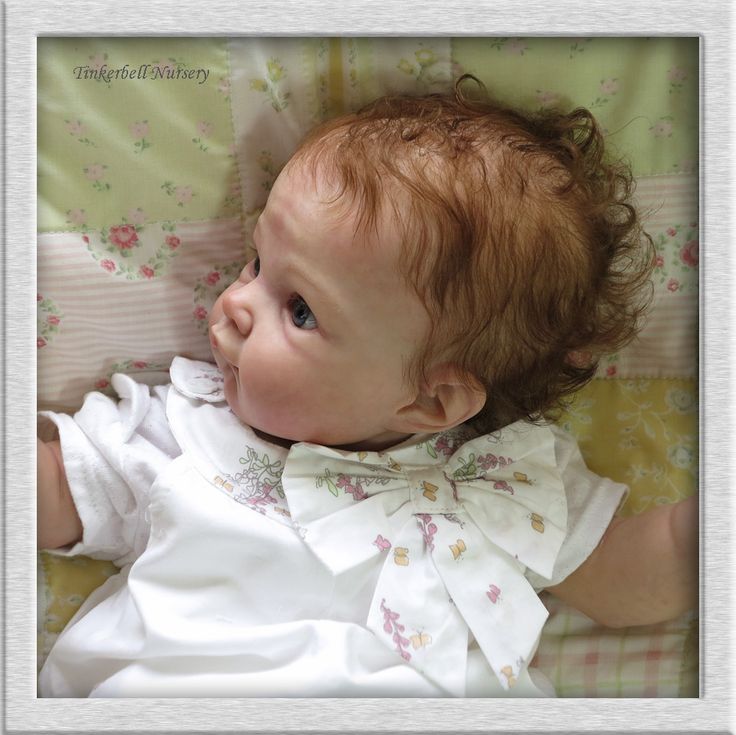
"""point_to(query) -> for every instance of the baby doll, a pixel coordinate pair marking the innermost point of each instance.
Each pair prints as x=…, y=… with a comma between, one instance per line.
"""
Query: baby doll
x=361, y=498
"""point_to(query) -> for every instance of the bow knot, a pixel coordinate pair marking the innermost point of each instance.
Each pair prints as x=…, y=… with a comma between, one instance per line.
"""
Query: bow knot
x=432, y=491
x=454, y=526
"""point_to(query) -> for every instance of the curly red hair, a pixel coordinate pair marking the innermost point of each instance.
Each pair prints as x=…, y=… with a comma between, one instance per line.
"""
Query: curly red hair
x=518, y=234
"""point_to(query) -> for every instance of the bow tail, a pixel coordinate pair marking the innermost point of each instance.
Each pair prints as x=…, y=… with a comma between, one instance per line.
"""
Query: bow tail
x=412, y=613
x=494, y=597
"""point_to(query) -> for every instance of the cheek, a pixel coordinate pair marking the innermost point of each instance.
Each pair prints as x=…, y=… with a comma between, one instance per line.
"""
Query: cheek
x=289, y=397
x=266, y=406
x=269, y=375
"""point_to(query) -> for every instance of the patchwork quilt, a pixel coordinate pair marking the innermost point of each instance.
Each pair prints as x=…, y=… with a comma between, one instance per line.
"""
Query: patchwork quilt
x=156, y=155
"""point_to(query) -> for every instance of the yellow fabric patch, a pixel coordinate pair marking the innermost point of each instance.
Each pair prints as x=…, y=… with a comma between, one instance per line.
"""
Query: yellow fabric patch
x=643, y=433
x=69, y=580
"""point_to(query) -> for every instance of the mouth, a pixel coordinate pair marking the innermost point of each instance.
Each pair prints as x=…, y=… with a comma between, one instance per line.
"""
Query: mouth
x=230, y=373
x=224, y=343
x=214, y=342
x=227, y=366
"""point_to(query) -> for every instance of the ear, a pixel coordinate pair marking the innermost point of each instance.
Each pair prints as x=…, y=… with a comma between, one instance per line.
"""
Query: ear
x=446, y=399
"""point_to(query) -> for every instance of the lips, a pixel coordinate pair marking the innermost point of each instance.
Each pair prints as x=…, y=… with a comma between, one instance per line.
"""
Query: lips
x=226, y=340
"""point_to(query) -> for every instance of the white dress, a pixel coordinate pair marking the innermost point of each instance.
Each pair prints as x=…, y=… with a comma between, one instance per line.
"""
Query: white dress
x=251, y=570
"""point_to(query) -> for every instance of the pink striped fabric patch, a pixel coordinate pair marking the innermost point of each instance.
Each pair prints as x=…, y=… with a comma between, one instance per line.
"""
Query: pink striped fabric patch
x=667, y=346
x=104, y=307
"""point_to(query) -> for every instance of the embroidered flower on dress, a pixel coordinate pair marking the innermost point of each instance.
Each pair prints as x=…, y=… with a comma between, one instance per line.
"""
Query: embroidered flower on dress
x=393, y=627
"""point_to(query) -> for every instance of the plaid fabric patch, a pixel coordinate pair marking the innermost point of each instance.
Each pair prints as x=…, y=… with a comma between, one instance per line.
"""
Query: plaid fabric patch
x=583, y=659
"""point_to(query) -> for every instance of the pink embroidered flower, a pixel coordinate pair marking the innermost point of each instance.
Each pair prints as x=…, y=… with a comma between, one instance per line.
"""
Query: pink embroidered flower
x=139, y=129
x=200, y=313
x=40, y=342
x=609, y=86
x=659, y=261
x=94, y=172
x=204, y=128
x=503, y=485
x=85, y=239
x=39, y=297
x=442, y=445
x=393, y=627
x=102, y=383
x=261, y=497
x=139, y=364
x=488, y=461
x=382, y=543
x=212, y=278
x=493, y=593
x=123, y=236
x=356, y=490
x=671, y=231
x=689, y=253
x=428, y=529
x=611, y=370
x=673, y=284
x=173, y=241
x=108, y=265
x=51, y=319
x=146, y=271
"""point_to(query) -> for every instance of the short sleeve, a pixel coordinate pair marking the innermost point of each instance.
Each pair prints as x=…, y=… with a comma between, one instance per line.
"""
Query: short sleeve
x=592, y=501
x=112, y=452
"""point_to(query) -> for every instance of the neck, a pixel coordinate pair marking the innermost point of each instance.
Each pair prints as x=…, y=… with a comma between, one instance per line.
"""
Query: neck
x=374, y=444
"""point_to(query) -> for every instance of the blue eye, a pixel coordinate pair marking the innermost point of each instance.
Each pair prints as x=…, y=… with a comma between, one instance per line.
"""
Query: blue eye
x=301, y=314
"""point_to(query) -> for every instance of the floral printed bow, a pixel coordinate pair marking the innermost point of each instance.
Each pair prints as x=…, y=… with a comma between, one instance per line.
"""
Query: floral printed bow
x=458, y=524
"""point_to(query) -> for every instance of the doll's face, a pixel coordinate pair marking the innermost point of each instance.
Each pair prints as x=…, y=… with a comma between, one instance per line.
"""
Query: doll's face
x=314, y=337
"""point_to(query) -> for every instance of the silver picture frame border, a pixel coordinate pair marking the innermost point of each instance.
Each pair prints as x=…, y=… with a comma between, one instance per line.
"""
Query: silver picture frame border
x=24, y=21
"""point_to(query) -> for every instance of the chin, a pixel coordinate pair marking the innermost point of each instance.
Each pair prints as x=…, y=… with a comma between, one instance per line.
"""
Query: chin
x=265, y=429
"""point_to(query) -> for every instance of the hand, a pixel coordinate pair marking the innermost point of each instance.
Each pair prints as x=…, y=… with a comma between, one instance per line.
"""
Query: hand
x=58, y=522
x=644, y=570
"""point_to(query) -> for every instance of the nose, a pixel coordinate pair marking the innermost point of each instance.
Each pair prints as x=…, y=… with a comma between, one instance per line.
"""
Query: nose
x=237, y=306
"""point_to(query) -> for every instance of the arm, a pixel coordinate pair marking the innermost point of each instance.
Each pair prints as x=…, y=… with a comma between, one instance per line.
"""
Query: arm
x=644, y=571
x=58, y=522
